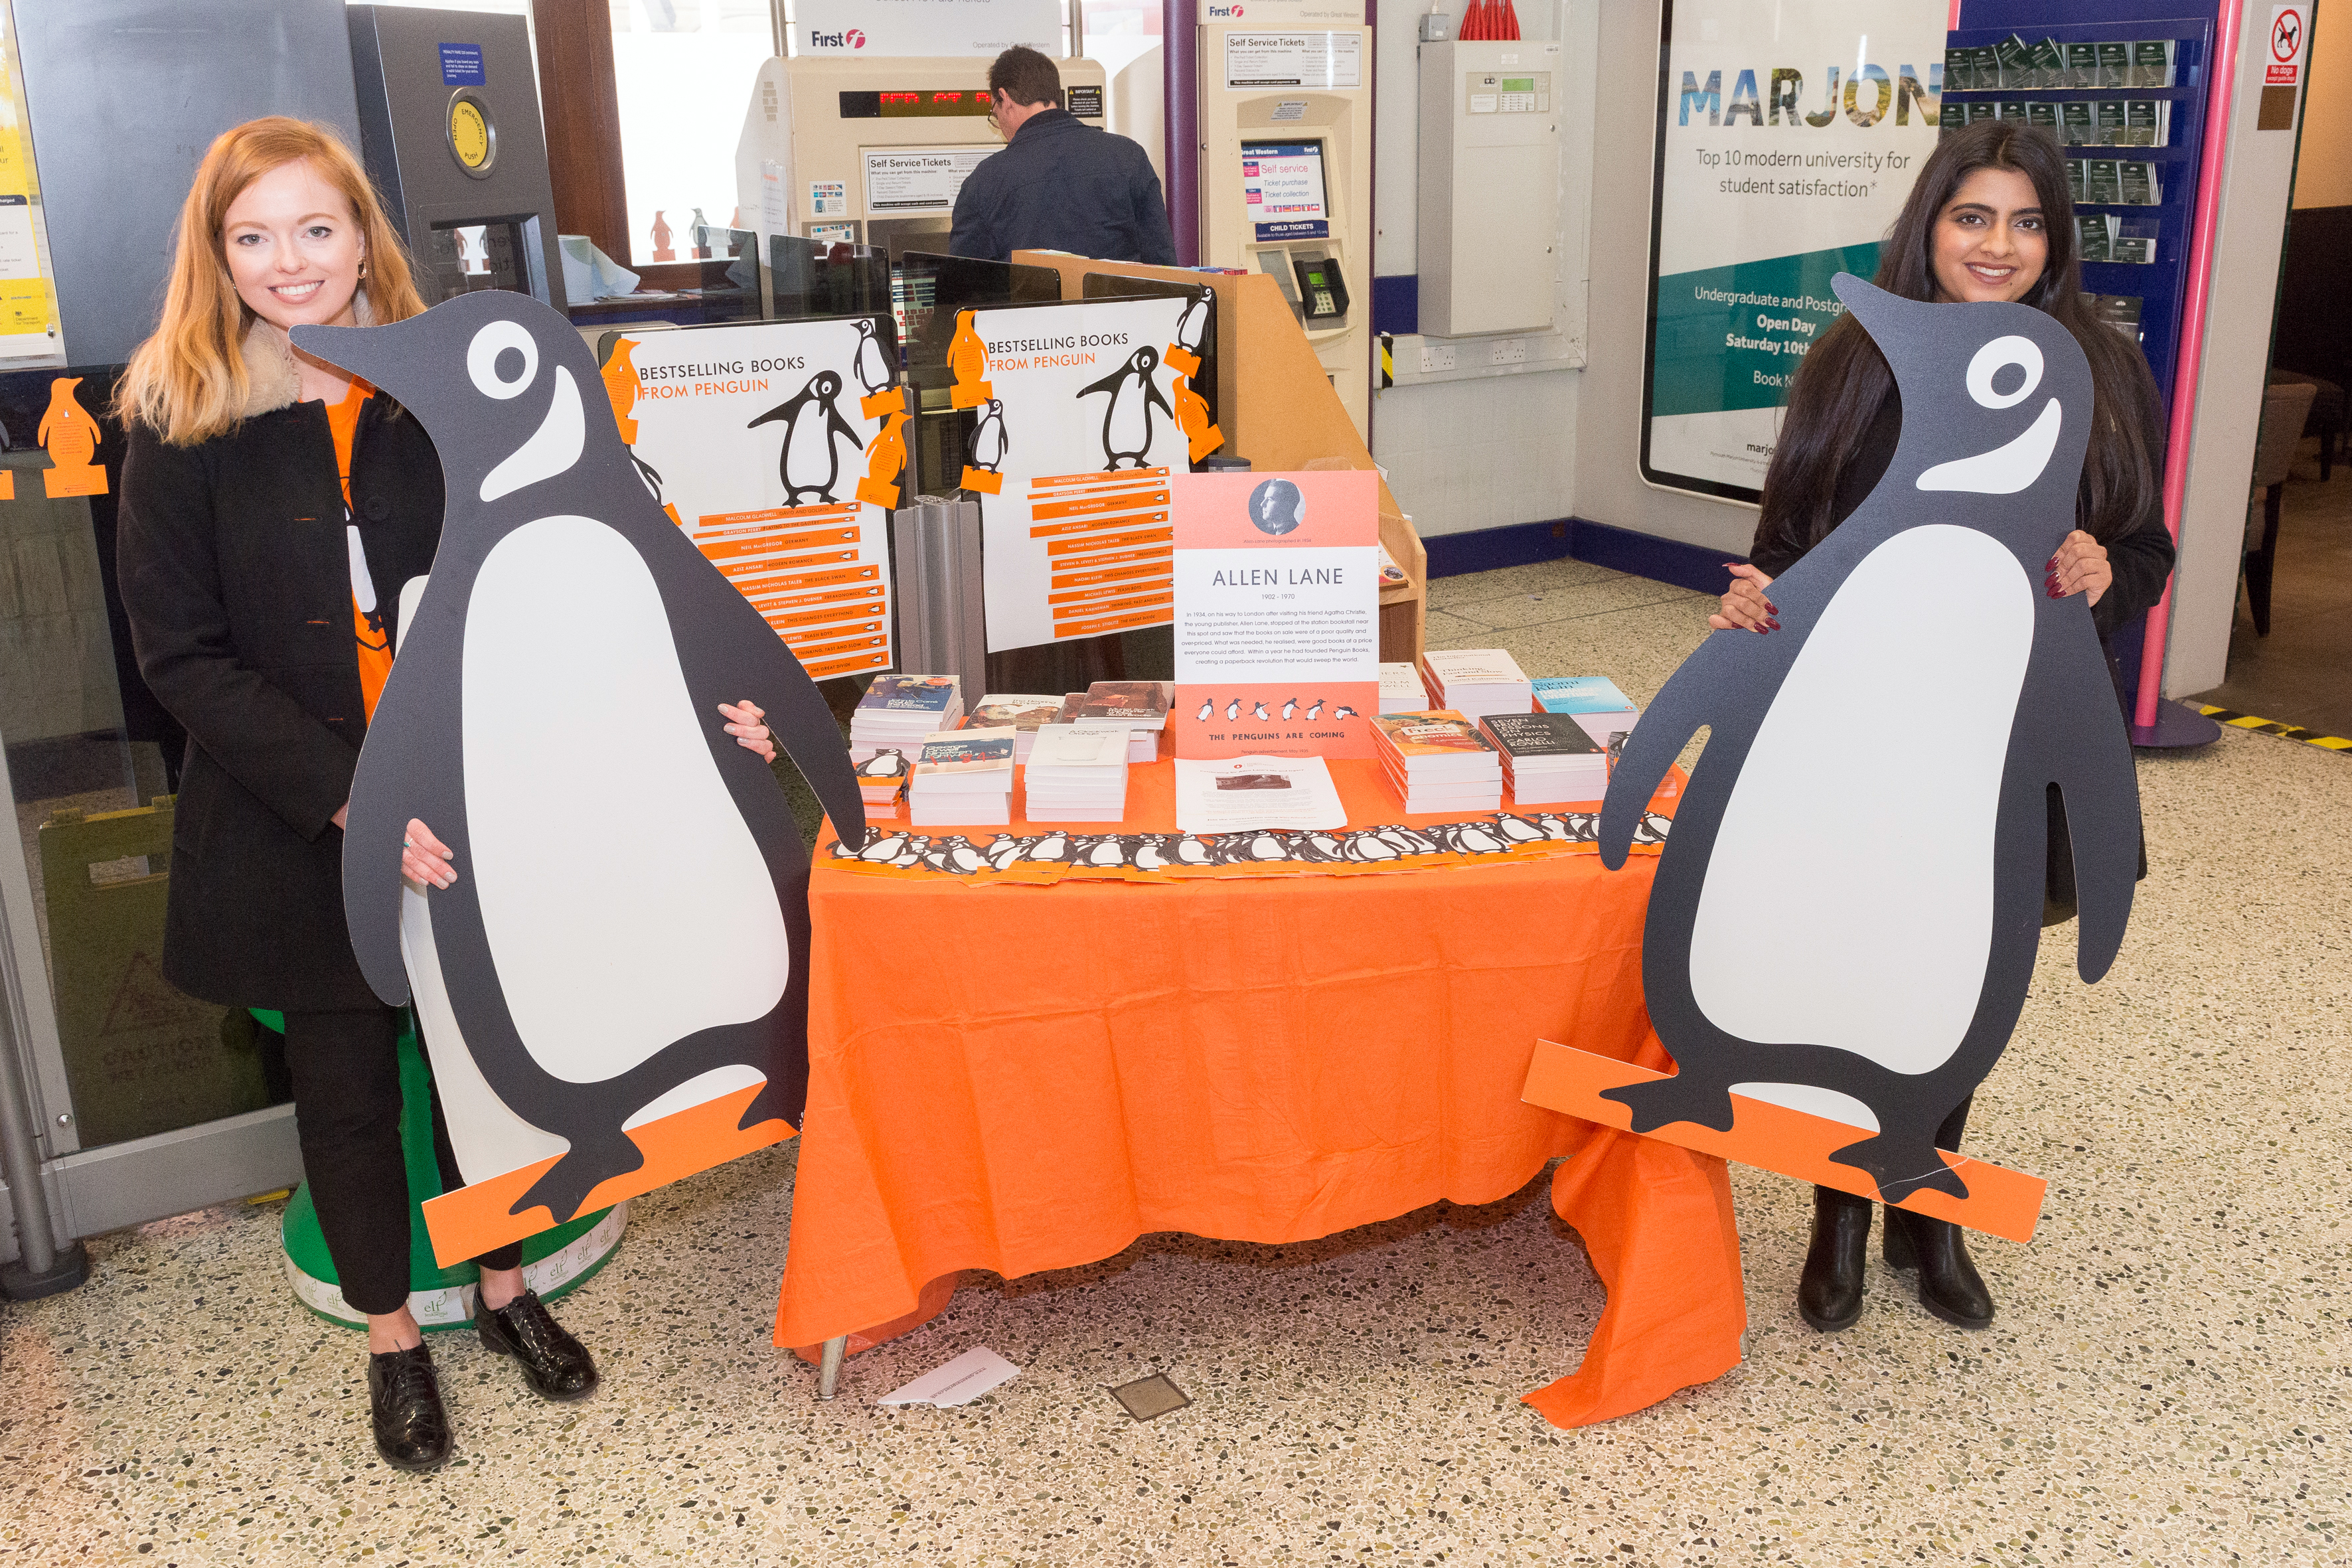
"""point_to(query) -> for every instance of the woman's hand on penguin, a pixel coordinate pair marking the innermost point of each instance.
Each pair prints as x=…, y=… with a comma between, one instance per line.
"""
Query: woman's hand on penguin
x=424, y=858
x=744, y=723
x=2081, y=566
x=1745, y=608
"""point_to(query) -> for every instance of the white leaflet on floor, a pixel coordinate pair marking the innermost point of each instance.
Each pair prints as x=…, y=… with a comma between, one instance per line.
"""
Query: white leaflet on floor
x=960, y=1382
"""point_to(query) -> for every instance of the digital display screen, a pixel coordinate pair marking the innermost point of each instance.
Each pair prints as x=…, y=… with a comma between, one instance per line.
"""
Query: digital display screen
x=1282, y=184
x=915, y=105
x=1518, y=84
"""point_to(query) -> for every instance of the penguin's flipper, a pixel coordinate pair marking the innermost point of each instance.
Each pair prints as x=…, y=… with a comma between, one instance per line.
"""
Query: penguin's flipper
x=781, y=411
x=373, y=827
x=804, y=730
x=1108, y=383
x=843, y=428
x=2087, y=752
x=1667, y=727
x=1151, y=394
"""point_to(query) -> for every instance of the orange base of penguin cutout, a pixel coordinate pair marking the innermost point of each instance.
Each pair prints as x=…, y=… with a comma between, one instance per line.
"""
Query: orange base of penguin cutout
x=987, y=484
x=972, y=396
x=2000, y=1201
x=8, y=484
x=88, y=479
x=473, y=1219
x=888, y=400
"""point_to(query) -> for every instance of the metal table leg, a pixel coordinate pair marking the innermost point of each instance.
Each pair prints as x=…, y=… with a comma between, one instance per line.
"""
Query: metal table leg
x=828, y=1369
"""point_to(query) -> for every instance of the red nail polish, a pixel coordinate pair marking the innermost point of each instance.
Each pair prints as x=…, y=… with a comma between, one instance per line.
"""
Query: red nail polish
x=1761, y=630
x=1771, y=606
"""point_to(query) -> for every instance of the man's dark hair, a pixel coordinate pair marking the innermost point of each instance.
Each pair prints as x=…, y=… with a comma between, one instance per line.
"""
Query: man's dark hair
x=1025, y=77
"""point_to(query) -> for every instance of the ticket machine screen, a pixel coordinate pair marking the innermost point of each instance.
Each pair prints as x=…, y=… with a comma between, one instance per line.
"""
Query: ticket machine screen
x=1283, y=184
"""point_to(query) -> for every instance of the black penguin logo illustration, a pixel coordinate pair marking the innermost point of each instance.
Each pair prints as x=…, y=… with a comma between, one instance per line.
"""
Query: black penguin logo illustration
x=985, y=450
x=1192, y=326
x=1126, y=420
x=1004, y=849
x=1233, y=710
x=886, y=763
x=1343, y=711
x=870, y=364
x=1208, y=706
x=809, y=462
x=1883, y=938
x=520, y=962
x=1518, y=829
x=1315, y=710
x=1289, y=706
x=1366, y=846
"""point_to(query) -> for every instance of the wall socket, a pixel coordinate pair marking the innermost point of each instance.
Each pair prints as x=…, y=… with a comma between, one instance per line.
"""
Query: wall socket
x=1438, y=356
x=1507, y=350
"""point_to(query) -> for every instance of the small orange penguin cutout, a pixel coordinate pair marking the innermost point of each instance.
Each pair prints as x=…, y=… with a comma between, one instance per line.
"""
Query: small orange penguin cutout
x=886, y=459
x=70, y=436
x=662, y=252
x=1193, y=418
x=968, y=358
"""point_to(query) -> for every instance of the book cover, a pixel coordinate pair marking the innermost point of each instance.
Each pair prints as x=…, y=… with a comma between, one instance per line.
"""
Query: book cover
x=2115, y=65
x=2138, y=184
x=1529, y=735
x=1473, y=667
x=2079, y=121
x=2138, y=249
x=967, y=751
x=2075, y=184
x=1442, y=733
x=1143, y=701
x=2104, y=182
x=1580, y=694
x=1017, y=711
x=1983, y=109
x=1087, y=746
x=1959, y=68
x=909, y=694
x=2091, y=235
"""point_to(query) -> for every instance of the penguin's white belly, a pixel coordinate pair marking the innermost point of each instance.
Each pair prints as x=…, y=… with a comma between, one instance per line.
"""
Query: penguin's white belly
x=1131, y=421
x=626, y=902
x=1848, y=901
x=808, y=450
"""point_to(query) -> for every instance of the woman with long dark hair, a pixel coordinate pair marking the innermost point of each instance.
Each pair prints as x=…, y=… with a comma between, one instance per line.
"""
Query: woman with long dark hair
x=1987, y=220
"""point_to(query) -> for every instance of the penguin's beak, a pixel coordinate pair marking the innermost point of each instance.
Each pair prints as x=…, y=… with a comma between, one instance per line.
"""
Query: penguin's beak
x=377, y=355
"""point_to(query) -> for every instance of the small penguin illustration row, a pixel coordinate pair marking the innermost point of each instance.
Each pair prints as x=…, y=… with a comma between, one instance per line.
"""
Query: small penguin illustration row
x=1290, y=705
x=1494, y=834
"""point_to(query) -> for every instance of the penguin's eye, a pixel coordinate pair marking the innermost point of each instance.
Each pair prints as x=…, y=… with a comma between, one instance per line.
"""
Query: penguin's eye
x=495, y=348
x=2000, y=355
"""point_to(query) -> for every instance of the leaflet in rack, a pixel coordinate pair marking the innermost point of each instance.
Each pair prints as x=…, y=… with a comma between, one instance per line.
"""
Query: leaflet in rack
x=779, y=447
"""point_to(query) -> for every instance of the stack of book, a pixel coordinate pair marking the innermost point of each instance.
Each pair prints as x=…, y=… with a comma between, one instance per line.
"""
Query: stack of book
x=1401, y=689
x=1439, y=761
x=899, y=711
x=1141, y=705
x=881, y=775
x=1474, y=682
x=1078, y=773
x=1547, y=758
x=1019, y=713
x=963, y=778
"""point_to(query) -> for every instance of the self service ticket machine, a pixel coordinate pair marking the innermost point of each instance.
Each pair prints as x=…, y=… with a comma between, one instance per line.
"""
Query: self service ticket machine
x=1286, y=167
x=873, y=151
x=450, y=127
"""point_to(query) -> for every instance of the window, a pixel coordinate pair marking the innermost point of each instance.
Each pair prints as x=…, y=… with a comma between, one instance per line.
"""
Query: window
x=683, y=72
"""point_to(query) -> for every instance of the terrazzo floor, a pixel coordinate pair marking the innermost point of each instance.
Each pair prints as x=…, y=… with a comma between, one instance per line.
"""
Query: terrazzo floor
x=2167, y=1382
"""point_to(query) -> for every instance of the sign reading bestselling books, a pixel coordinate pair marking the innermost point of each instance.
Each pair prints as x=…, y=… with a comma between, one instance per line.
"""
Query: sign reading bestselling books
x=1789, y=136
x=1277, y=614
x=1085, y=411
x=777, y=446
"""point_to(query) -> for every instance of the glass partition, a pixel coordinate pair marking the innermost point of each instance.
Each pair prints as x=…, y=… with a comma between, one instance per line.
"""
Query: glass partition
x=91, y=762
x=937, y=287
x=827, y=278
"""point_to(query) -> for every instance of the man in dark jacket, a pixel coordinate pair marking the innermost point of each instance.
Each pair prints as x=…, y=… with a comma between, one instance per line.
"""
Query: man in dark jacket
x=1060, y=183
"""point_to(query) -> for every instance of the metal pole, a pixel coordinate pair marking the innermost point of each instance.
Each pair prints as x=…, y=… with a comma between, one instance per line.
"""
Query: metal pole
x=42, y=1268
x=1180, y=49
x=828, y=1370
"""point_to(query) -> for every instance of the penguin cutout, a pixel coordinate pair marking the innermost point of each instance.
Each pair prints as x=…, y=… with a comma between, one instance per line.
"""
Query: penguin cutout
x=1409, y=840
x=1004, y=849
x=985, y=450
x=1192, y=326
x=558, y=681
x=1845, y=918
x=1050, y=847
x=884, y=849
x=1367, y=846
x=1126, y=416
x=1191, y=851
x=886, y=763
x=885, y=460
x=870, y=364
x=968, y=365
x=917, y=846
x=1518, y=829
x=809, y=463
x=1318, y=848
x=71, y=437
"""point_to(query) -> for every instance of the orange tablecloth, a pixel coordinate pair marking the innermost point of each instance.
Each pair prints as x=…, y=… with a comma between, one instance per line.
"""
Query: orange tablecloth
x=1020, y=1078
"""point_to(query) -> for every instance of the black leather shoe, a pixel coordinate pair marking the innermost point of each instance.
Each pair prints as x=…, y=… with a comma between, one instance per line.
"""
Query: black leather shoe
x=1949, y=1286
x=555, y=1363
x=1829, y=1293
x=412, y=1430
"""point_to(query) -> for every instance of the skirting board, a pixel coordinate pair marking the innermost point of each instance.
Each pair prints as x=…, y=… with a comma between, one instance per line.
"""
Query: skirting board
x=1684, y=565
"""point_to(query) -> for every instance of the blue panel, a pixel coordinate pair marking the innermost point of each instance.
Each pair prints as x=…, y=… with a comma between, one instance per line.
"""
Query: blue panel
x=1692, y=566
x=1396, y=304
x=1484, y=549
x=461, y=65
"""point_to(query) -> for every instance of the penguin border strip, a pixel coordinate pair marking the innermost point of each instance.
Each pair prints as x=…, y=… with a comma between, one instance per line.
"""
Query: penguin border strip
x=1036, y=859
x=2284, y=732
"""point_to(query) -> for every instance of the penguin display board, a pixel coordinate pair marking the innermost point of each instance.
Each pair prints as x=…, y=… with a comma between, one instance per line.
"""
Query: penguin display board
x=1845, y=919
x=1083, y=409
x=597, y=1028
x=779, y=447
x=1277, y=614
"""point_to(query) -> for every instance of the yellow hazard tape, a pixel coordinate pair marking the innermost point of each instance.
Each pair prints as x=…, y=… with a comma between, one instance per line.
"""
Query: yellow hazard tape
x=2272, y=727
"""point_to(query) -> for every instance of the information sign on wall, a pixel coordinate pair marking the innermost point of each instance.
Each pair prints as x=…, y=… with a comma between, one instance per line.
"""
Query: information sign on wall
x=903, y=28
x=916, y=179
x=1788, y=138
x=1294, y=59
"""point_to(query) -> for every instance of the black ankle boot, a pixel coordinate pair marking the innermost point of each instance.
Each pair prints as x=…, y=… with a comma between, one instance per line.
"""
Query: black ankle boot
x=555, y=1364
x=1949, y=1286
x=1829, y=1293
x=412, y=1430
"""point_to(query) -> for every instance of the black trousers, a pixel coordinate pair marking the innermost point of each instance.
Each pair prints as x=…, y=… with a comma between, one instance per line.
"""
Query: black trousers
x=346, y=1073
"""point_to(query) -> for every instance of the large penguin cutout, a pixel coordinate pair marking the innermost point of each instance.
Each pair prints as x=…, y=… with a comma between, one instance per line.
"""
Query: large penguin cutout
x=628, y=933
x=1127, y=418
x=810, y=463
x=1845, y=916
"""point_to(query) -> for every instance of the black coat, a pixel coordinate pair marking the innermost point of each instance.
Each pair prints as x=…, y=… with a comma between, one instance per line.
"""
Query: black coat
x=235, y=573
x=1063, y=184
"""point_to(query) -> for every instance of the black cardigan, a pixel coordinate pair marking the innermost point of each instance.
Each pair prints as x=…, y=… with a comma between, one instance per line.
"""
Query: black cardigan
x=235, y=573
x=2140, y=557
